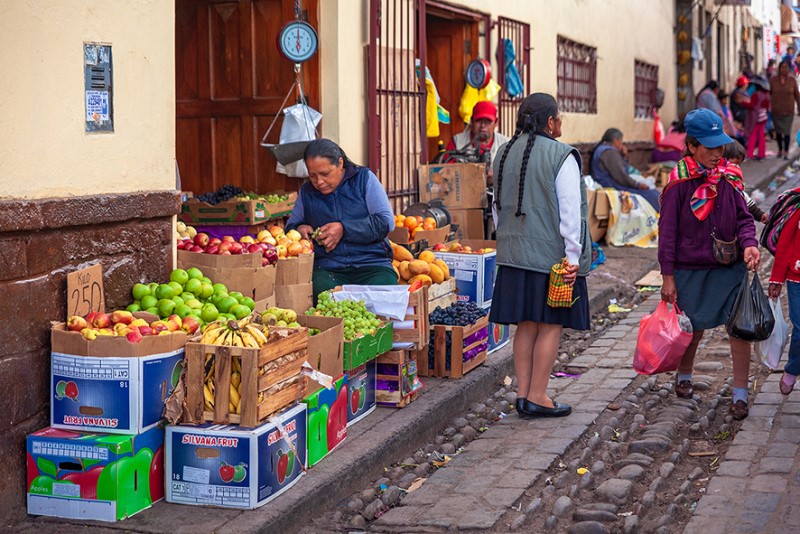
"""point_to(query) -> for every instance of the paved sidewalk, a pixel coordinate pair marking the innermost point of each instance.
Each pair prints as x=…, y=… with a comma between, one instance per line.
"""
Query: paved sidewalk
x=757, y=486
x=481, y=483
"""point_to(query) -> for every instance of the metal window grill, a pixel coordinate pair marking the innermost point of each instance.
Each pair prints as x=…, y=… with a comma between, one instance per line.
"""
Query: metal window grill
x=645, y=84
x=519, y=33
x=577, y=76
x=397, y=96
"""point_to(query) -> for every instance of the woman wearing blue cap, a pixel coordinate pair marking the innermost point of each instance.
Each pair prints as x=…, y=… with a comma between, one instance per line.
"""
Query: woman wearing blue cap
x=703, y=202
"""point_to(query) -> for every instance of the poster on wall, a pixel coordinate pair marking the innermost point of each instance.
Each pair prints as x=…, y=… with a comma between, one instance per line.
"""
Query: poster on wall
x=771, y=44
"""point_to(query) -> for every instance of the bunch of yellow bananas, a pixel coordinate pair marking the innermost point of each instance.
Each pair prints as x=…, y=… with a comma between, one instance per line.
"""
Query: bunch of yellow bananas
x=243, y=333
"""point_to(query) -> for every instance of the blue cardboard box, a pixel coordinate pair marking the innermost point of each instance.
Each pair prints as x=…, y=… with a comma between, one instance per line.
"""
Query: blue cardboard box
x=474, y=273
x=110, y=394
x=81, y=475
x=361, y=390
x=236, y=467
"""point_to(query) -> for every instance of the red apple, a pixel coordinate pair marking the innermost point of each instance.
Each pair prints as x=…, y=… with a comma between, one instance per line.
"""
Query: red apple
x=76, y=323
x=121, y=316
x=228, y=238
x=264, y=261
x=176, y=319
x=196, y=248
x=159, y=326
x=146, y=330
x=226, y=245
x=214, y=241
x=201, y=239
x=101, y=320
x=439, y=246
x=134, y=336
x=236, y=247
x=224, y=253
x=90, y=317
x=190, y=324
x=212, y=249
x=86, y=481
x=255, y=247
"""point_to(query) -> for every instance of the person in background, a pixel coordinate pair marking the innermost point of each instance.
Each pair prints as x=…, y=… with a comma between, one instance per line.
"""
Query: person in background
x=671, y=146
x=790, y=58
x=770, y=69
x=351, y=210
x=757, y=116
x=703, y=195
x=786, y=270
x=609, y=168
x=735, y=154
x=479, y=136
x=739, y=98
x=542, y=218
x=785, y=99
x=727, y=116
x=708, y=98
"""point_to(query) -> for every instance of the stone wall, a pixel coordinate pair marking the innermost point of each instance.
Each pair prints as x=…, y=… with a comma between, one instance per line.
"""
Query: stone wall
x=41, y=241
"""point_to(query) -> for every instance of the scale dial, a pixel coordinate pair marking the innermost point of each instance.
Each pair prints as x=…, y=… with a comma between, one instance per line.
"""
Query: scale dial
x=298, y=41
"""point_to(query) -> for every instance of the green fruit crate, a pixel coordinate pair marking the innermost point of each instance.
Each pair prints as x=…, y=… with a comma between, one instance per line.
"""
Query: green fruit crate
x=363, y=349
x=235, y=212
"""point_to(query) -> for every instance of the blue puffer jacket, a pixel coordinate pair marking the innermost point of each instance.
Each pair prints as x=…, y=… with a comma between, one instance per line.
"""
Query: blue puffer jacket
x=364, y=242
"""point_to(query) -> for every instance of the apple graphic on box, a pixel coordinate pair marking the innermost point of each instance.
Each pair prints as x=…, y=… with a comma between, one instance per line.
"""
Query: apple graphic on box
x=43, y=485
x=239, y=472
x=317, y=440
x=87, y=480
x=355, y=397
x=363, y=399
x=123, y=481
x=283, y=463
x=337, y=420
x=226, y=472
x=157, y=475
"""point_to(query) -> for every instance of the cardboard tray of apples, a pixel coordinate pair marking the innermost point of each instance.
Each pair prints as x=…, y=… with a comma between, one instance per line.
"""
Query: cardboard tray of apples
x=120, y=334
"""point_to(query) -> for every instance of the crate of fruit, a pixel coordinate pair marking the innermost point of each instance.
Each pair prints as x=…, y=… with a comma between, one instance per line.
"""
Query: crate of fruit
x=414, y=330
x=442, y=295
x=396, y=380
x=459, y=341
x=243, y=373
x=243, y=209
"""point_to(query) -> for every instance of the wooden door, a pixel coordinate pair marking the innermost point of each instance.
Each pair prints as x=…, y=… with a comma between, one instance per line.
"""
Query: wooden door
x=230, y=81
x=450, y=46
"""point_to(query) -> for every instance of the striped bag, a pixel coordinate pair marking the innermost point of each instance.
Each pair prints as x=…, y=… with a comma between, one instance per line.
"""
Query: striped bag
x=559, y=293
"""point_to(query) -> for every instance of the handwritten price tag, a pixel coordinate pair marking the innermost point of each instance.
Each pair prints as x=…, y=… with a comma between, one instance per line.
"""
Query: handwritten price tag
x=85, y=291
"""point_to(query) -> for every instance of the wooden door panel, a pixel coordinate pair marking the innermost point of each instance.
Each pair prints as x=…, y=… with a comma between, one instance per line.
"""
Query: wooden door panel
x=230, y=83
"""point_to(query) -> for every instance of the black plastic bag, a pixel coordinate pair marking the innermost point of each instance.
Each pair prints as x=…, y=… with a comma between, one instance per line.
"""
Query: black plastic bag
x=751, y=317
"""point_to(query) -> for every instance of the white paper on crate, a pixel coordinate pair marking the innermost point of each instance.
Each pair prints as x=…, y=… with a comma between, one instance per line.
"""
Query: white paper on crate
x=388, y=301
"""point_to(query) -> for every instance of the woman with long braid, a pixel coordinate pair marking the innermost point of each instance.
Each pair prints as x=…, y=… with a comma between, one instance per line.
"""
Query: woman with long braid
x=541, y=205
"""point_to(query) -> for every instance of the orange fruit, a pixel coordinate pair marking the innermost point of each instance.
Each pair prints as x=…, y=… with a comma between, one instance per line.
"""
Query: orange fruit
x=410, y=223
x=430, y=220
x=419, y=219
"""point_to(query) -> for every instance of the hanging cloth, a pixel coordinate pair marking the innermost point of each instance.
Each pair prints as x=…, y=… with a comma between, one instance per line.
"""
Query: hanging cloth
x=472, y=96
x=514, y=86
x=434, y=112
x=697, y=50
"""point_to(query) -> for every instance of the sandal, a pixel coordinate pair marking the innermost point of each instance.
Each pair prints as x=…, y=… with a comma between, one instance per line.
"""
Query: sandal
x=784, y=387
x=739, y=410
x=684, y=389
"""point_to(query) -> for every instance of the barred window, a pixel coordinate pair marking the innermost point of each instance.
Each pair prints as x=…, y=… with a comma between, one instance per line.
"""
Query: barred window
x=645, y=84
x=577, y=76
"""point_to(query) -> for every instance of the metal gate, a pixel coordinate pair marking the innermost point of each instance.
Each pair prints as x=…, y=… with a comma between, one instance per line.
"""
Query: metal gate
x=397, y=96
x=519, y=33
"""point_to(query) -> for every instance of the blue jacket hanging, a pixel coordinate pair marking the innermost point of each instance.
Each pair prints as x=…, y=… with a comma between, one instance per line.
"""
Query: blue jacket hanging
x=513, y=82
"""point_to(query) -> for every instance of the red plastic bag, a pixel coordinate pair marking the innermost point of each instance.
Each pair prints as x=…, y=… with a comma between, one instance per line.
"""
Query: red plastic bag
x=661, y=342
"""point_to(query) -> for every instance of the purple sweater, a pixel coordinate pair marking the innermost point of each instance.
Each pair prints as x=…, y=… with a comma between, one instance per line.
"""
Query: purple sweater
x=684, y=242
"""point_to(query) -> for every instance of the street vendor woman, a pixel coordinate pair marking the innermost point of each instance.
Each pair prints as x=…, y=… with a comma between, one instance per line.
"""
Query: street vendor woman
x=344, y=211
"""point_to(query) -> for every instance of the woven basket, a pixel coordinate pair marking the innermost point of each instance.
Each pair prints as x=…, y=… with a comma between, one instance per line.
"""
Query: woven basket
x=559, y=294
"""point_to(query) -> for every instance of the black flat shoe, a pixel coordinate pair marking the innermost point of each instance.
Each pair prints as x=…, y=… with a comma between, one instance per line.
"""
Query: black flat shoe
x=531, y=409
x=520, y=406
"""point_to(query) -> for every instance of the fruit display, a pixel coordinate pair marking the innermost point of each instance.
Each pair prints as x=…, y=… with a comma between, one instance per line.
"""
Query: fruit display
x=122, y=323
x=189, y=293
x=184, y=231
x=228, y=246
x=425, y=270
x=223, y=194
x=414, y=223
x=280, y=317
x=272, y=198
x=457, y=314
x=455, y=246
x=288, y=244
x=358, y=321
x=470, y=345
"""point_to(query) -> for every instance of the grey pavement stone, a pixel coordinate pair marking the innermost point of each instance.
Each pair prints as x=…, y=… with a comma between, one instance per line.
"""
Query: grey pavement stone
x=392, y=496
x=586, y=480
x=782, y=450
x=733, y=468
x=751, y=437
x=583, y=361
x=534, y=506
x=594, y=376
x=583, y=514
x=606, y=363
x=764, y=410
x=551, y=523
x=706, y=525
x=757, y=423
x=616, y=383
x=768, y=483
x=631, y=525
x=742, y=452
x=595, y=351
x=790, y=421
x=357, y=522
x=762, y=502
x=774, y=465
x=588, y=527
x=518, y=522
x=615, y=490
x=503, y=497
x=518, y=478
x=768, y=398
x=562, y=506
x=650, y=445
x=603, y=342
x=536, y=460
x=713, y=505
x=554, y=445
x=791, y=407
x=631, y=472
x=791, y=435
x=568, y=431
x=751, y=521
x=708, y=366
x=624, y=373
x=666, y=469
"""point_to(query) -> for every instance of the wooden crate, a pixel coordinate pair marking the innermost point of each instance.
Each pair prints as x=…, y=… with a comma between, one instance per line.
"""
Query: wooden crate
x=458, y=367
x=282, y=383
x=404, y=376
x=442, y=295
x=420, y=334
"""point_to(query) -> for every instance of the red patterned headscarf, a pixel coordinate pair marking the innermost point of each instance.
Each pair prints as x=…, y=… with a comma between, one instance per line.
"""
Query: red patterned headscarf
x=702, y=201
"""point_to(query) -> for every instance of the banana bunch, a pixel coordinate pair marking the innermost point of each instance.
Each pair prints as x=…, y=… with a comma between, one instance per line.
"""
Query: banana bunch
x=243, y=333
x=280, y=317
x=209, y=388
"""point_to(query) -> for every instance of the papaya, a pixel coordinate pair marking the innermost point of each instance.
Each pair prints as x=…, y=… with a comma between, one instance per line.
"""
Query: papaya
x=405, y=274
x=399, y=278
x=427, y=256
x=401, y=253
x=424, y=278
x=443, y=266
x=419, y=267
x=436, y=274
x=395, y=263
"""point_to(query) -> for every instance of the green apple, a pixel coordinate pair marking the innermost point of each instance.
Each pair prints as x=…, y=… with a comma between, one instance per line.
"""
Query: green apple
x=183, y=310
x=153, y=286
x=240, y=311
x=164, y=291
x=177, y=289
x=220, y=287
x=237, y=295
x=226, y=303
x=135, y=307
x=194, y=304
x=178, y=301
x=139, y=291
x=148, y=301
x=186, y=295
x=209, y=312
x=153, y=310
x=194, y=273
x=250, y=303
x=206, y=291
x=180, y=276
x=194, y=286
x=165, y=307
x=207, y=280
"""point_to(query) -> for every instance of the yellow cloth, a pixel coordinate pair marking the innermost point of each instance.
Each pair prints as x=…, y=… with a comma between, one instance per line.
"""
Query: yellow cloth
x=431, y=110
x=472, y=96
x=632, y=220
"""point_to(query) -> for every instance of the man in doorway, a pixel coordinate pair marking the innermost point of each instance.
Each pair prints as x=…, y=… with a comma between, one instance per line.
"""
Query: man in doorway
x=479, y=139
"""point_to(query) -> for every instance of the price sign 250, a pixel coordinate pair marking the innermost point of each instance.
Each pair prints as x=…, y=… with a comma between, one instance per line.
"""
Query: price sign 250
x=85, y=291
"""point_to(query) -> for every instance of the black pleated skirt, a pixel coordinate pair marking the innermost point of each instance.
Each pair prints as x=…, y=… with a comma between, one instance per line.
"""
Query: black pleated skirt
x=521, y=295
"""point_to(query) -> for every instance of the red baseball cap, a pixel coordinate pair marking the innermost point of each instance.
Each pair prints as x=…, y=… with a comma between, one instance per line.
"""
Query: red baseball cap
x=742, y=81
x=484, y=110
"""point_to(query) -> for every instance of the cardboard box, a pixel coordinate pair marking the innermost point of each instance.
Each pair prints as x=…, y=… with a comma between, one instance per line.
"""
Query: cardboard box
x=397, y=382
x=295, y=270
x=297, y=297
x=327, y=419
x=368, y=347
x=239, y=272
x=474, y=273
x=326, y=349
x=599, y=209
x=470, y=223
x=402, y=235
x=457, y=185
x=499, y=335
x=361, y=388
x=234, y=467
x=78, y=475
x=110, y=384
x=235, y=212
